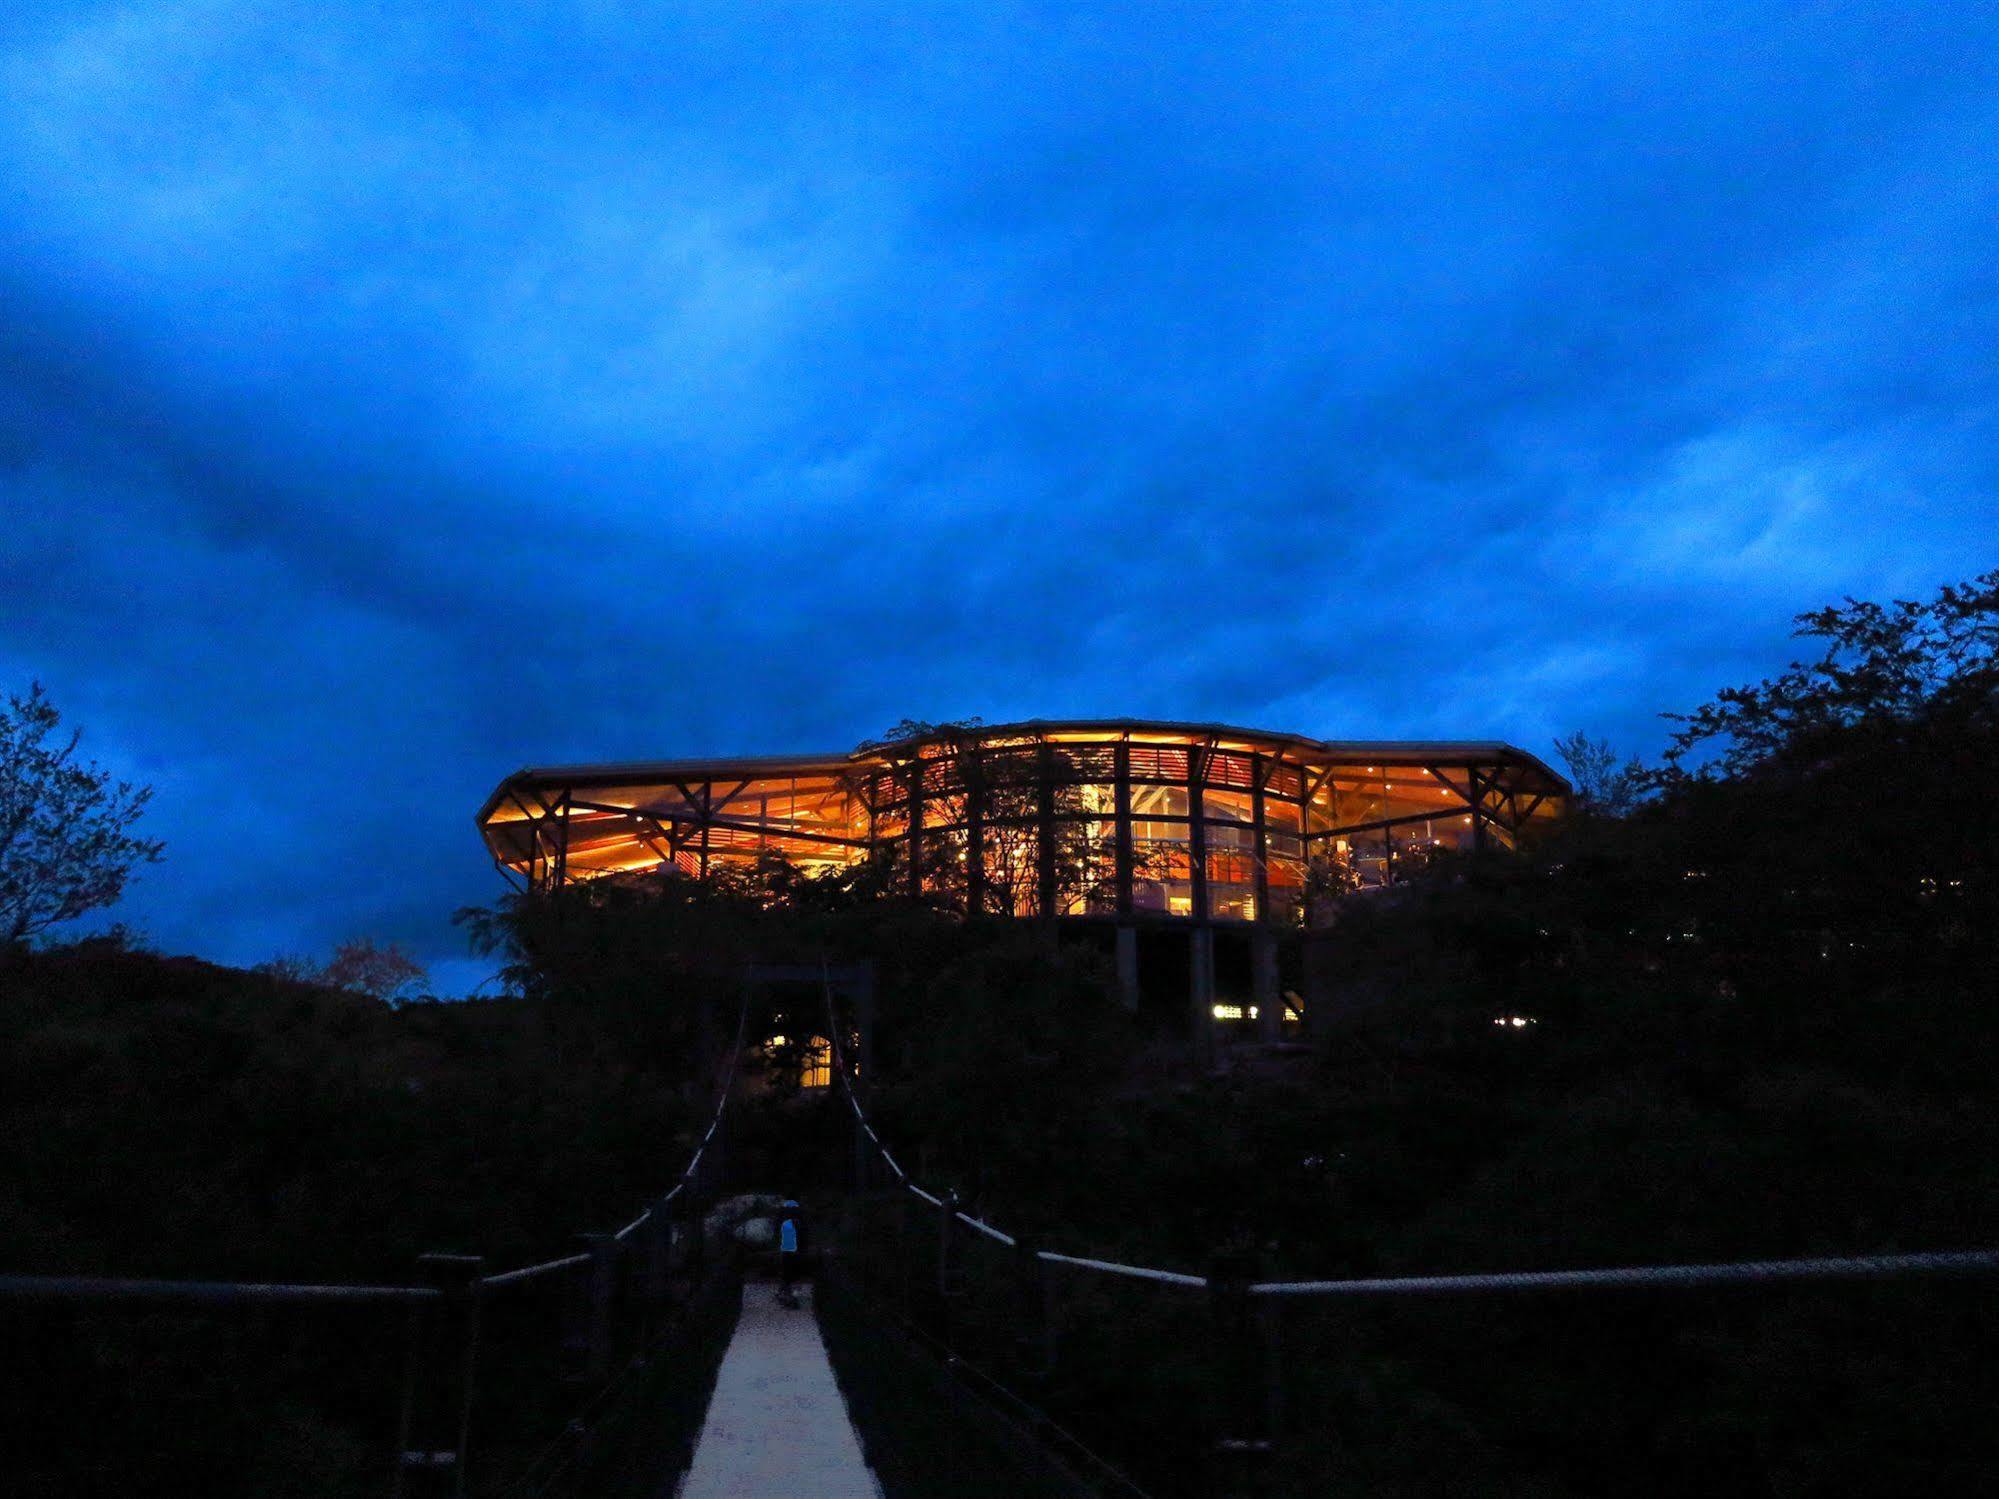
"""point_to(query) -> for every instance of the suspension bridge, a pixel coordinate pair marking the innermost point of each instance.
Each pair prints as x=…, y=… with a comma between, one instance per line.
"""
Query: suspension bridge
x=683, y=1380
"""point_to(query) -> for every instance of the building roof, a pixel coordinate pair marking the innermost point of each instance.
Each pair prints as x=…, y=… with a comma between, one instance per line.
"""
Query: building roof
x=1320, y=751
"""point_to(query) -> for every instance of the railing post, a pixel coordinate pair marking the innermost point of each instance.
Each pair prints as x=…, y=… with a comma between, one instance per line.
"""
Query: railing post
x=1037, y=1319
x=1270, y=1364
x=600, y=1294
x=444, y=1360
x=905, y=1251
x=1244, y=1441
x=697, y=1237
x=659, y=1257
x=947, y=1220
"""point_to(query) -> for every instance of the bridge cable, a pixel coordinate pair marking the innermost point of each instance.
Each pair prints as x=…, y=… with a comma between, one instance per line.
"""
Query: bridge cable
x=1844, y=1267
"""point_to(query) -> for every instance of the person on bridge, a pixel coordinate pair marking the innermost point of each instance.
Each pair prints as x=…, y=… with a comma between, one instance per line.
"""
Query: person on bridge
x=787, y=1252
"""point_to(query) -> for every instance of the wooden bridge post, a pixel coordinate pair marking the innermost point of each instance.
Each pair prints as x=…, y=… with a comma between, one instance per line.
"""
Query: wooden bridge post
x=658, y=1243
x=437, y=1395
x=697, y=1235
x=1247, y=1378
x=600, y=1298
x=586, y=1308
x=905, y=1250
x=1037, y=1311
x=715, y=1159
x=947, y=1220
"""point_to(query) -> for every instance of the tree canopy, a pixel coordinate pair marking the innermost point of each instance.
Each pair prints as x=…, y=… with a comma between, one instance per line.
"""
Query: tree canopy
x=66, y=842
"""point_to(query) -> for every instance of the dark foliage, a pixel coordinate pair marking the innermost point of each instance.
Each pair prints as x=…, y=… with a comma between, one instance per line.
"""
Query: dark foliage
x=166, y=1117
x=1747, y=1014
x=1739, y=1006
x=66, y=842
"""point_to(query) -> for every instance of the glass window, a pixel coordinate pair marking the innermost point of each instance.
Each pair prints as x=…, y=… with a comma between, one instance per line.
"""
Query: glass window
x=1231, y=882
x=1012, y=864
x=1228, y=806
x=1162, y=877
x=1090, y=799
x=1159, y=801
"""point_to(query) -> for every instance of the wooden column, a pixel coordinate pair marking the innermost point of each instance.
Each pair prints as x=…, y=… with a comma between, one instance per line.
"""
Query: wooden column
x=915, y=805
x=971, y=771
x=1197, y=830
x=1121, y=774
x=1202, y=976
x=1044, y=831
x=1260, y=773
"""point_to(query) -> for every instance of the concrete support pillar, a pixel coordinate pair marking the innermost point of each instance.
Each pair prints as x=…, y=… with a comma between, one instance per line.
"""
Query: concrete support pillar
x=1263, y=979
x=1318, y=987
x=1127, y=967
x=1201, y=984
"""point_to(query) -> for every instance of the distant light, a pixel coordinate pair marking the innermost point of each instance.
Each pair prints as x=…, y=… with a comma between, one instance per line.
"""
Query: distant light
x=1515, y=1022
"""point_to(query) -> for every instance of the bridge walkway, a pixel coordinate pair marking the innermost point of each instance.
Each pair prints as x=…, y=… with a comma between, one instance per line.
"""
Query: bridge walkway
x=777, y=1424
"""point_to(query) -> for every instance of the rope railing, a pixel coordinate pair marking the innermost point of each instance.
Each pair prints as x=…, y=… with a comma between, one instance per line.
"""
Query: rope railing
x=949, y=1202
x=1740, y=1272
x=533, y=1272
x=443, y=1334
x=1840, y=1267
x=977, y=1226
x=688, y=1173
x=1239, y=1307
x=99, y=1288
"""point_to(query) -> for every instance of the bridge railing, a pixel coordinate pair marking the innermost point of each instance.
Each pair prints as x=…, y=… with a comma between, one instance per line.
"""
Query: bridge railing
x=610, y=1308
x=996, y=1300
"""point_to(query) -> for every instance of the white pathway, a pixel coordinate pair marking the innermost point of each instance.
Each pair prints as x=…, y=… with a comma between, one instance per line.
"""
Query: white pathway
x=777, y=1427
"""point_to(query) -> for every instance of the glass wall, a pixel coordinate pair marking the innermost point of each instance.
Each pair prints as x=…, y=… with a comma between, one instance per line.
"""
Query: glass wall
x=1220, y=827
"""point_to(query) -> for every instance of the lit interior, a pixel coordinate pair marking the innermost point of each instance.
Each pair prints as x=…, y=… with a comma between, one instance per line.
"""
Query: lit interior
x=1116, y=818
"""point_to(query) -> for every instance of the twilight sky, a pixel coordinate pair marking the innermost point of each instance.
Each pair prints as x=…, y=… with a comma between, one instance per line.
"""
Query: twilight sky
x=391, y=396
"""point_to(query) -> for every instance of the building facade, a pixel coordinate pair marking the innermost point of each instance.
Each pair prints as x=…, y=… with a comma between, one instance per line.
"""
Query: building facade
x=1132, y=825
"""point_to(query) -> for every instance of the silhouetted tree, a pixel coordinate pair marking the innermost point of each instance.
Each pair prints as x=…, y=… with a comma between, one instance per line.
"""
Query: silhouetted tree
x=1885, y=667
x=66, y=845
x=384, y=971
x=1602, y=785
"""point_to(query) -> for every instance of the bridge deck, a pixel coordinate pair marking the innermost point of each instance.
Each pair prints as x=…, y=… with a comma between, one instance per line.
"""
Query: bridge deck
x=777, y=1426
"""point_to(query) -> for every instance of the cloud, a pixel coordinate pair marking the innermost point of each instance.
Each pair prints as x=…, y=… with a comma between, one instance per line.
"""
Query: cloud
x=391, y=398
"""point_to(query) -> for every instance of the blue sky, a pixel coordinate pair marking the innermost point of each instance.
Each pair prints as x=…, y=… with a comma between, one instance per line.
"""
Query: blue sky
x=391, y=396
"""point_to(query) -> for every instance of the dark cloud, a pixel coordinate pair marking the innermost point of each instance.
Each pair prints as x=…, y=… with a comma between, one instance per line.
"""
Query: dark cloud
x=391, y=398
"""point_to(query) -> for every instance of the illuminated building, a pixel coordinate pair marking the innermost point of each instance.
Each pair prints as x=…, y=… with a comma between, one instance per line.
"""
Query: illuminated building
x=1134, y=827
